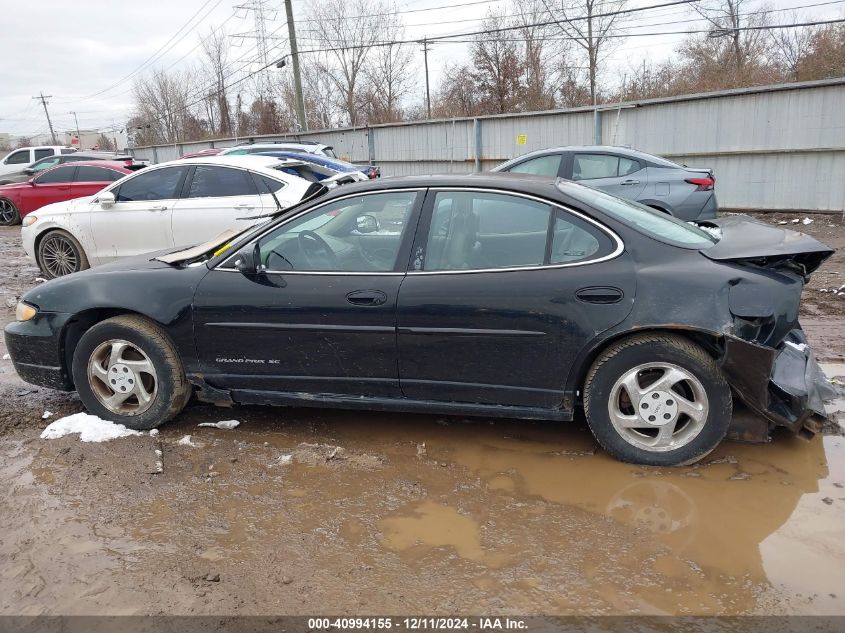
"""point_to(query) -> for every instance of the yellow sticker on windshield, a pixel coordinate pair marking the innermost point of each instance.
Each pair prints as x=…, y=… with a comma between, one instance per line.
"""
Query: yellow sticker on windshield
x=222, y=249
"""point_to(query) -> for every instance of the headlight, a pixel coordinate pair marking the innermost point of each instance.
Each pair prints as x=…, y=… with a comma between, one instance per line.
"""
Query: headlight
x=24, y=311
x=29, y=220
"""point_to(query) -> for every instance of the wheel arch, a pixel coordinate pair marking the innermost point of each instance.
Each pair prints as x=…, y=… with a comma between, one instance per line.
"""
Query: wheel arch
x=711, y=342
x=81, y=323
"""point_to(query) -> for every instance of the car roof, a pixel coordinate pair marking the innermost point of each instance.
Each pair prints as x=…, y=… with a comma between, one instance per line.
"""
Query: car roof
x=543, y=186
x=110, y=164
x=305, y=156
x=308, y=146
x=254, y=162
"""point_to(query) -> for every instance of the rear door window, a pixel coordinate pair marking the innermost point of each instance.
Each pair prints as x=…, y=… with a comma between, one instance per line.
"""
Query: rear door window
x=43, y=153
x=58, y=175
x=87, y=173
x=591, y=166
x=542, y=165
x=211, y=181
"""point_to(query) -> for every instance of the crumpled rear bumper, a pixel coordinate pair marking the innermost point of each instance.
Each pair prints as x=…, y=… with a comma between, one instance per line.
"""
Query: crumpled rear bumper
x=784, y=386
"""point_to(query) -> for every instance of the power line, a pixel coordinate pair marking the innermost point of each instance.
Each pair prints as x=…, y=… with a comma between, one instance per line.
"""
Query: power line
x=163, y=49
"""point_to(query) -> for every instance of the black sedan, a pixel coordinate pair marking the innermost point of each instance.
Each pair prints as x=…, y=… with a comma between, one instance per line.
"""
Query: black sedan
x=490, y=295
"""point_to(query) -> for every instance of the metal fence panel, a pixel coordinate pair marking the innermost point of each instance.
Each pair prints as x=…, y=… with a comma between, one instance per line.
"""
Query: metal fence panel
x=773, y=147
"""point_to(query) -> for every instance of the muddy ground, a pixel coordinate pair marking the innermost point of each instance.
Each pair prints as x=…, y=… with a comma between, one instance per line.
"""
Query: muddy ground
x=315, y=512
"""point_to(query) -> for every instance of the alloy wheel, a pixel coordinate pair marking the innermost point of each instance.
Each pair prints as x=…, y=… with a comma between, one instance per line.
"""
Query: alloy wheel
x=658, y=407
x=8, y=212
x=122, y=377
x=58, y=256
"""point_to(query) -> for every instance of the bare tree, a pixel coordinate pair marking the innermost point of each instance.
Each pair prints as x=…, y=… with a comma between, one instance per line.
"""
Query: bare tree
x=792, y=46
x=728, y=19
x=349, y=41
x=590, y=25
x=457, y=94
x=163, y=105
x=215, y=48
x=826, y=57
x=497, y=66
x=388, y=81
x=537, y=51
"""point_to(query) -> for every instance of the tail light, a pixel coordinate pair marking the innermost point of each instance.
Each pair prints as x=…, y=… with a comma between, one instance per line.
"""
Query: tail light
x=702, y=184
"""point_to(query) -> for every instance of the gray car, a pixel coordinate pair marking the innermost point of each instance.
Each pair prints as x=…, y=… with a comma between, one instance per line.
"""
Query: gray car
x=685, y=192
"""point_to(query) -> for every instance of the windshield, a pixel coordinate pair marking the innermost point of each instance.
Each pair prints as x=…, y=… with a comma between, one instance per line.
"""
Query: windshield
x=640, y=217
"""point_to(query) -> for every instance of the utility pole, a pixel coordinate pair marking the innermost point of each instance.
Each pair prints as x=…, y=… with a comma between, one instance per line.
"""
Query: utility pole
x=78, y=135
x=427, y=93
x=297, y=78
x=43, y=100
x=238, y=120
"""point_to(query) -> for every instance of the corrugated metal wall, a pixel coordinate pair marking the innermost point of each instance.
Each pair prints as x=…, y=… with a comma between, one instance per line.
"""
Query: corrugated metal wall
x=777, y=147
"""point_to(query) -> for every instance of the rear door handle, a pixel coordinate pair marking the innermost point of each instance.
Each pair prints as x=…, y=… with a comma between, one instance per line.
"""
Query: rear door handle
x=600, y=295
x=366, y=298
x=630, y=182
x=162, y=207
x=244, y=206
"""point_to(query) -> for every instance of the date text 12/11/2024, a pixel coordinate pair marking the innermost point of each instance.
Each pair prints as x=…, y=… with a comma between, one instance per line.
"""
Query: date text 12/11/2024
x=420, y=623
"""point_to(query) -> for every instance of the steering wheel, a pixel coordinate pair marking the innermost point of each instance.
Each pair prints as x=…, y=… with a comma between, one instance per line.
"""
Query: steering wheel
x=309, y=240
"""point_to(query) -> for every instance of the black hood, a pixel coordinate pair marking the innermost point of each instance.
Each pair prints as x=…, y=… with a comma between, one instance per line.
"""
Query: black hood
x=746, y=239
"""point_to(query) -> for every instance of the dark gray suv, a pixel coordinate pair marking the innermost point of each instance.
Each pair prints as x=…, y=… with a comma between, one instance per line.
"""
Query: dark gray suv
x=685, y=192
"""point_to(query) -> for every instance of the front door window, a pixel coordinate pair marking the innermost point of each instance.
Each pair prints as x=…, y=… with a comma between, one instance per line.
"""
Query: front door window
x=358, y=234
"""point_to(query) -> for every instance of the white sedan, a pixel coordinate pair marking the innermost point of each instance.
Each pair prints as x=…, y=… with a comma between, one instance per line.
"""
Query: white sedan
x=179, y=203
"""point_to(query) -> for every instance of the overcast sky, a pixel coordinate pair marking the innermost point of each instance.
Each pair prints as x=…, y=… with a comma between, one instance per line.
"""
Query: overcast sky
x=83, y=53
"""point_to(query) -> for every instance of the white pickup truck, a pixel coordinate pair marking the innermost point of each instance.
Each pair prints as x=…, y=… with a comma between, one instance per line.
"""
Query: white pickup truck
x=18, y=159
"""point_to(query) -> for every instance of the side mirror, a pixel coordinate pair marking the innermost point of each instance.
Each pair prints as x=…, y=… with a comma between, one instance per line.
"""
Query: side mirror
x=106, y=199
x=367, y=224
x=29, y=170
x=248, y=261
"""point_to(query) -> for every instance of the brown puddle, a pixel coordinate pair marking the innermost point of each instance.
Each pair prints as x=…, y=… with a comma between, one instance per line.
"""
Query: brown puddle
x=378, y=512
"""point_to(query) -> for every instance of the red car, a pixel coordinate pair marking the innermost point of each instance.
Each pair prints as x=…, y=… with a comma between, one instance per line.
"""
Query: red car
x=71, y=180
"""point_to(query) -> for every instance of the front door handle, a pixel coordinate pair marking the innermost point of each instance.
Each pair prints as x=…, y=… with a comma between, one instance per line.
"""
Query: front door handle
x=629, y=182
x=366, y=298
x=244, y=206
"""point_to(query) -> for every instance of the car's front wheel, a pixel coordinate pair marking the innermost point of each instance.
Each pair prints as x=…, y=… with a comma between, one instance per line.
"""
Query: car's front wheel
x=126, y=369
x=9, y=214
x=59, y=254
x=657, y=399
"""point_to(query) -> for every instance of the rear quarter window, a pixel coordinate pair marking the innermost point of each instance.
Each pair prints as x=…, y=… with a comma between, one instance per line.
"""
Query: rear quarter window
x=656, y=224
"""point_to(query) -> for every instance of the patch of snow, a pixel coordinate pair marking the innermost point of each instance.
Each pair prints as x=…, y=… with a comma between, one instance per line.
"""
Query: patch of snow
x=6, y=357
x=799, y=346
x=783, y=222
x=186, y=441
x=806, y=221
x=153, y=432
x=713, y=231
x=40, y=280
x=46, y=415
x=282, y=460
x=225, y=424
x=796, y=221
x=90, y=428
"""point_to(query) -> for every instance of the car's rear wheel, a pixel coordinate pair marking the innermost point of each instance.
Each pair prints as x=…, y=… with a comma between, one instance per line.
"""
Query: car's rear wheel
x=9, y=214
x=59, y=254
x=126, y=369
x=657, y=399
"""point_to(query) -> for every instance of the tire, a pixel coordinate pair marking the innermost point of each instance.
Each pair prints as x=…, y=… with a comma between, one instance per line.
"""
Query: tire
x=130, y=355
x=9, y=214
x=58, y=254
x=681, y=407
